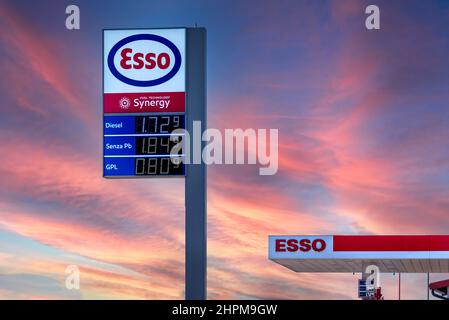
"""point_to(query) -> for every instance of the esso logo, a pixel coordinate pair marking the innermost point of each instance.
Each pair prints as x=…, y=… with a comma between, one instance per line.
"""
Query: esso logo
x=131, y=60
x=303, y=245
x=144, y=60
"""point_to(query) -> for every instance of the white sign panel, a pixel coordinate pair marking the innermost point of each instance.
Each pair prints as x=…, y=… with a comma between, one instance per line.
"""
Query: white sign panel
x=300, y=247
x=144, y=60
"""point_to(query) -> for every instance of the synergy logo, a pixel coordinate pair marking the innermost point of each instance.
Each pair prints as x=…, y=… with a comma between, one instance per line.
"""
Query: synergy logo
x=133, y=62
x=124, y=103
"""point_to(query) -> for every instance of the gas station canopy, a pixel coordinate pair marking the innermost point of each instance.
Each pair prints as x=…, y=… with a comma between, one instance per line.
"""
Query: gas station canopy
x=353, y=253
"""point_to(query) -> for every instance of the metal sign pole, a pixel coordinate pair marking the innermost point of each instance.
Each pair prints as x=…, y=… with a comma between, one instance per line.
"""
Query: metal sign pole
x=195, y=180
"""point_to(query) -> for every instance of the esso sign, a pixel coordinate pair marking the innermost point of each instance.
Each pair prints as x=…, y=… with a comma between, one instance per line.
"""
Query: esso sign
x=144, y=60
x=139, y=60
x=300, y=245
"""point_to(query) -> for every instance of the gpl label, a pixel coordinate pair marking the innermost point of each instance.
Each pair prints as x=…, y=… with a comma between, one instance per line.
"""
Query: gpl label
x=111, y=167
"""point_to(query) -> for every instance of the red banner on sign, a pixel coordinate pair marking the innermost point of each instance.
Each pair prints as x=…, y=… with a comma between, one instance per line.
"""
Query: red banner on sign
x=144, y=102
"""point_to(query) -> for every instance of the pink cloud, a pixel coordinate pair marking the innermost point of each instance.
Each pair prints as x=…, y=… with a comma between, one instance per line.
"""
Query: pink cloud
x=31, y=47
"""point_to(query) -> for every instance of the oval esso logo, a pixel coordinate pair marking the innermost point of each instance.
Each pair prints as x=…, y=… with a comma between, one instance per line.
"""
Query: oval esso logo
x=144, y=60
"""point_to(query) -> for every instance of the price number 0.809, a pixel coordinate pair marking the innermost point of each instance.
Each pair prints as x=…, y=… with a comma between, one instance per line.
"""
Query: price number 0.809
x=159, y=166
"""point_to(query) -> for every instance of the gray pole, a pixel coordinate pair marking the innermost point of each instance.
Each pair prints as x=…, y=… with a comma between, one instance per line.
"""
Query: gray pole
x=195, y=180
x=428, y=280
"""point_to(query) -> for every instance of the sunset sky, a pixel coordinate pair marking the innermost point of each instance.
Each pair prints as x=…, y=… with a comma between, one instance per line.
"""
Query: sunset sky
x=363, y=121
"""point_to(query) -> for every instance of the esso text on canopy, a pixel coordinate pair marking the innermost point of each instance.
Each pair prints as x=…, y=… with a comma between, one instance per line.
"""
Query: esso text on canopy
x=144, y=60
x=300, y=245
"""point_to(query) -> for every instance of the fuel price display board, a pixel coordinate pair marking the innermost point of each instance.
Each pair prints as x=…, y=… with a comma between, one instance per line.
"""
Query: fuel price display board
x=143, y=145
x=143, y=102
